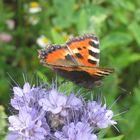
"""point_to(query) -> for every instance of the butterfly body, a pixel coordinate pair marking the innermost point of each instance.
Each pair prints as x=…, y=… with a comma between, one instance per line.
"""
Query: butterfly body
x=77, y=60
x=81, y=78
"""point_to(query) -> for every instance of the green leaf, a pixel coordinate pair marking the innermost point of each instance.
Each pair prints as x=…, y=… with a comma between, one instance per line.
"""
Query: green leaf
x=57, y=37
x=130, y=126
x=129, y=58
x=134, y=27
x=120, y=16
x=114, y=138
x=82, y=21
x=64, y=11
x=66, y=87
x=137, y=93
x=42, y=77
x=116, y=39
x=64, y=8
x=129, y=5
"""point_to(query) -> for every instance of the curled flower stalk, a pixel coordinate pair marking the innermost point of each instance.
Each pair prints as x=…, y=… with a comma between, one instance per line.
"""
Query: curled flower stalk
x=47, y=114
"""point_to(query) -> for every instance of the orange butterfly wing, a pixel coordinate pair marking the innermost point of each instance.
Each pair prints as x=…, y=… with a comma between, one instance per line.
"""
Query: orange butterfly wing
x=78, y=60
x=56, y=55
x=85, y=50
x=79, y=51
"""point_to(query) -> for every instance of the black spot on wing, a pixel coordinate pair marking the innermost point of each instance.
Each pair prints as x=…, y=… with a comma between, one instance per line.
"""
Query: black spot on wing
x=93, y=44
x=69, y=57
x=96, y=55
x=95, y=38
x=92, y=61
x=79, y=48
x=79, y=55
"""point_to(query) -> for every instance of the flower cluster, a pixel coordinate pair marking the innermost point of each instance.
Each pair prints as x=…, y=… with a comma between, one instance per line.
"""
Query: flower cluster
x=46, y=114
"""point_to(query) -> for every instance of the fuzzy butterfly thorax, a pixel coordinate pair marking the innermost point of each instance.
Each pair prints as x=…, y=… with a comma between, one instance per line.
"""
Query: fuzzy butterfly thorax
x=77, y=60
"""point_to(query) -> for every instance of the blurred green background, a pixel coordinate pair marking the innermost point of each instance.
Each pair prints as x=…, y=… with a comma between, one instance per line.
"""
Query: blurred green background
x=26, y=26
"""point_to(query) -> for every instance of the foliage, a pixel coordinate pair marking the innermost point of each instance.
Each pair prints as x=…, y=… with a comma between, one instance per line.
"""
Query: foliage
x=3, y=122
x=114, y=138
x=116, y=23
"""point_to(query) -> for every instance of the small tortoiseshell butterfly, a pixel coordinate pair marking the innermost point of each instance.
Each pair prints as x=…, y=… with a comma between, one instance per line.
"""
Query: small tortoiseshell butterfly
x=77, y=60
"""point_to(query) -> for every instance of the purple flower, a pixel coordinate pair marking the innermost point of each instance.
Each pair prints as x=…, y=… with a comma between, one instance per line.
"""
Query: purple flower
x=30, y=122
x=28, y=97
x=54, y=103
x=12, y=136
x=47, y=114
x=60, y=108
x=74, y=102
x=72, y=108
x=78, y=131
x=98, y=115
x=26, y=127
x=21, y=96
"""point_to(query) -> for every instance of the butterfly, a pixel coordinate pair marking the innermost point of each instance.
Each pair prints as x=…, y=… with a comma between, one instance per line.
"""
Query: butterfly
x=77, y=60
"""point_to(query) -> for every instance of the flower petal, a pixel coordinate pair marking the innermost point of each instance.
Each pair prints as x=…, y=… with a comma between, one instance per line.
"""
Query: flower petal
x=18, y=91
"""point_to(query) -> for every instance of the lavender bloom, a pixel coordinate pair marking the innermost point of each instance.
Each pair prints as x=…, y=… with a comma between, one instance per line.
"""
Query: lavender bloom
x=73, y=107
x=98, y=115
x=12, y=136
x=57, y=102
x=61, y=108
x=49, y=115
x=27, y=98
x=21, y=96
x=54, y=103
x=30, y=122
x=74, y=102
x=26, y=127
x=78, y=131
